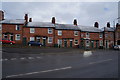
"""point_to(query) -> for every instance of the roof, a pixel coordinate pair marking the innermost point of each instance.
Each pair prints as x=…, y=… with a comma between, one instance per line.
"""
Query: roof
x=108, y=29
x=40, y=24
x=66, y=27
x=11, y=21
x=89, y=29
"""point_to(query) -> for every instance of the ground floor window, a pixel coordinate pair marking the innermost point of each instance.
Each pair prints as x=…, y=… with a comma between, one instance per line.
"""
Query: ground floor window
x=76, y=42
x=50, y=39
x=38, y=39
x=5, y=36
x=87, y=43
x=32, y=39
x=17, y=37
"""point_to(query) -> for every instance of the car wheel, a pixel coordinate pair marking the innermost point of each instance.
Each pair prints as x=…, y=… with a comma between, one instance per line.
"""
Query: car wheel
x=29, y=44
x=11, y=43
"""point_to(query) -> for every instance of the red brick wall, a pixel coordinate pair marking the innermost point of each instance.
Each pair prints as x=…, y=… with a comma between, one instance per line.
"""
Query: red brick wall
x=40, y=32
x=68, y=35
x=11, y=28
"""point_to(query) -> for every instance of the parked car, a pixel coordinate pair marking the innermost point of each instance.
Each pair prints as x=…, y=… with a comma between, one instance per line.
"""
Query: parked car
x=34, y=43
x=7, y=41
x=117, y=47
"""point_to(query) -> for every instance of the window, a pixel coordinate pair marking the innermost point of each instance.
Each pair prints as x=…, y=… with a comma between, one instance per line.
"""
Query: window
x=59, y=41
x=75, y=33
x=49, y=30
x=5, y=35
x=17, y=37
x=59, y=32
x=38, y=39
x=32, y=39
x=76, y=42
x=17, y=27
x=87, y=43
x=82, y=35
x=106, y=35
x=50, y=39
x=32, y=30
x=101, y=43
x=101, y=35
x=87, y=35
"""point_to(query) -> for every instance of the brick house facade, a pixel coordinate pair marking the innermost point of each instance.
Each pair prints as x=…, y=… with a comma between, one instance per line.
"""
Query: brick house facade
x=117, y=34
x=61, y=35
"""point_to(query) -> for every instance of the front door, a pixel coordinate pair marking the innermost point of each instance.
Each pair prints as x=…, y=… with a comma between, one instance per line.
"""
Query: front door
x=24, y=41
x=65, y=43
x=70, y=43
x=97, y=42
x=11, y=37
x=44, y=42
x=92, y=44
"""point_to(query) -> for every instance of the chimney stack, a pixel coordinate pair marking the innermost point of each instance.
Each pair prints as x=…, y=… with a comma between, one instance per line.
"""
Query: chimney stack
x=30, y=19
x=96, y=25
x=1, y=15
x=75, y=22
x=108, y=24
x=53, y=20
x=26, y=18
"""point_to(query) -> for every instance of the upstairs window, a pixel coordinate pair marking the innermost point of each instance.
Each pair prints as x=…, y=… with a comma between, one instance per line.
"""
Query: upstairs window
x=17, y=27
x=87, y=35
x=101, y=35
x=32, y=30
x=50, y=31
x=75, y=33
x=59, y=32
x=32, y=38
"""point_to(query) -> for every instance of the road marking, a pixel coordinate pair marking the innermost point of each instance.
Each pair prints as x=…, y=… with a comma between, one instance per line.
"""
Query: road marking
x=39, y=72
x=38, y=57
x=100, y=61
x=22, y=58
x=13, y=59
x=30, y=58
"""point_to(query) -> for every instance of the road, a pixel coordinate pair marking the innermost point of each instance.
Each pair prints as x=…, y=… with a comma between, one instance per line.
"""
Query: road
x=59, y=63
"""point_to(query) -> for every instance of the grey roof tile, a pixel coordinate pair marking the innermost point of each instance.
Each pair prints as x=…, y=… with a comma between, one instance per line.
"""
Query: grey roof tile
x=108, y=29
x=40, y=24
x=11, y=21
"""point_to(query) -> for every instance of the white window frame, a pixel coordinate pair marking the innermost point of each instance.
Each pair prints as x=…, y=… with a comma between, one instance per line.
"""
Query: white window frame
x=87, y=43
x=75, y=42
x=50, y=31
x=60, y=32
x=32, y=30
x=50, y=39
x=87, y=35
x=59, y=41
x=101, y=35
x=76, y=33
x=17, y=37
x=32, y=38
x=17, y=27
x=5, y=35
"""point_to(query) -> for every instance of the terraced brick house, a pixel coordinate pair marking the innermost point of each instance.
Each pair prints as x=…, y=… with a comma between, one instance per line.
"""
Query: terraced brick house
x=60, y=35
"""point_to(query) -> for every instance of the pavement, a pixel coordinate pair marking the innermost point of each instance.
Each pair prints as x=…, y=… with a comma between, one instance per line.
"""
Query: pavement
x=59, y=63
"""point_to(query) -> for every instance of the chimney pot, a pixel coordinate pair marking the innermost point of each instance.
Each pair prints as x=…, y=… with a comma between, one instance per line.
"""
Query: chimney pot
x=53, y=20
x=96, y=25
x=108, y=24
x=75, y=22
x=26, y=18
x=30, y=19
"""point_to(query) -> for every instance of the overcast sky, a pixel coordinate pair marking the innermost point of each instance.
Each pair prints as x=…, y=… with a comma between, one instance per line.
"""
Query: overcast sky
x=86, y=13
